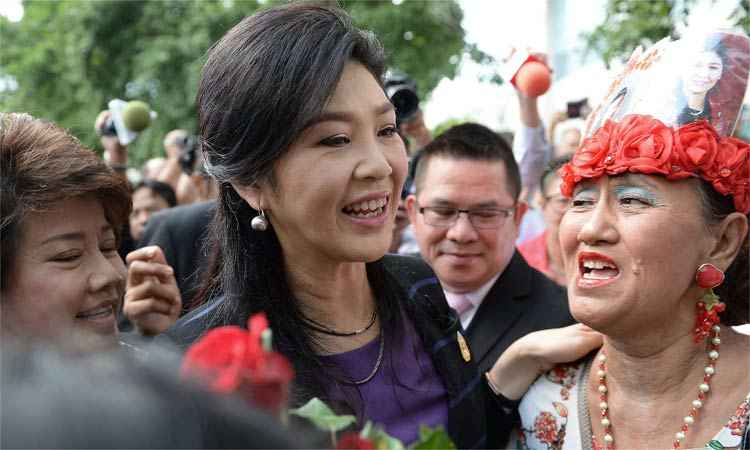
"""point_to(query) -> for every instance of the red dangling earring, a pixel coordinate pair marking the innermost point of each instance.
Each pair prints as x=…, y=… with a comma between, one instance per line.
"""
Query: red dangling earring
x=709, y=276
x=708, y=308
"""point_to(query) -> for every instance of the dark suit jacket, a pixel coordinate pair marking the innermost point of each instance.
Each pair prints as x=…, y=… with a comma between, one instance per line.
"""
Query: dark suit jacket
x=476, y=418
x=522, y=300
x=181, y=232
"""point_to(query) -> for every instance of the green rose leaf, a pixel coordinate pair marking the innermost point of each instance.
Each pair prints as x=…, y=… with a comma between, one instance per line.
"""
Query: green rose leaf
x=381, y=439
x=322, y=416
x=433, y=438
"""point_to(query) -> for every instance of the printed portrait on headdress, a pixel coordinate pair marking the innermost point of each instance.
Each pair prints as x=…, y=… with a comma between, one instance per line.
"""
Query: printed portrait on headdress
x=713, y=79
x=702, y=76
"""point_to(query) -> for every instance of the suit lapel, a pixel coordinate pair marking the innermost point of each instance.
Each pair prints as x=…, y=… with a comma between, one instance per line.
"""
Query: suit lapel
x=501, y=307
x=437, y=326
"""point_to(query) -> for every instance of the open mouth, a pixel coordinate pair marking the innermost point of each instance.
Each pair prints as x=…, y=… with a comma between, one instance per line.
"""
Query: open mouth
x=366, y=209
x=99, y=312
x=593, y=266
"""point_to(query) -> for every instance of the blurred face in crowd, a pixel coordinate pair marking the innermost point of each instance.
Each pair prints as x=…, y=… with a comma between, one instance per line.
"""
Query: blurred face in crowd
x=337, y=187
x=67, y=278
x=553, y=203
x=145, y=203
x=627, y=258
x=703, y=73
x=463, y=256
x=569, y=142
x=153, y=167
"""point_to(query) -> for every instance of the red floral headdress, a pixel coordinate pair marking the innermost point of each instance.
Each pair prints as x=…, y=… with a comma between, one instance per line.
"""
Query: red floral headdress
x=643, y=144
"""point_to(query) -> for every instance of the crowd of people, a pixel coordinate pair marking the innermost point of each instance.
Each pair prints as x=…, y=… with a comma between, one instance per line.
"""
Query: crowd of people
x=573, y=288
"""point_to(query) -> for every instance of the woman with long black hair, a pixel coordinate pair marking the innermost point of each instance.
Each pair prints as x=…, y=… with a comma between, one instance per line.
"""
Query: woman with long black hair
x=298, y=131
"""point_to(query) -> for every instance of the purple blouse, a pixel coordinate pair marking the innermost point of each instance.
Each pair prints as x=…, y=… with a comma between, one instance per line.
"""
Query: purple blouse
x=406, y=391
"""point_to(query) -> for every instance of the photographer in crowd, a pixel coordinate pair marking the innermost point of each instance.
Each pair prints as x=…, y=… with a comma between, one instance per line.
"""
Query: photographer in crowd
x=184, y=169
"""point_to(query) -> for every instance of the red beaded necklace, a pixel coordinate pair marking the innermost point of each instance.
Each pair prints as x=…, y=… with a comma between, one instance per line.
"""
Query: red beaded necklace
x=703, y=388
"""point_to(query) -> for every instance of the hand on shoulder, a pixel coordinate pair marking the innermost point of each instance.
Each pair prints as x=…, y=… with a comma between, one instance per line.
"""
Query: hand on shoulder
x=538, y=352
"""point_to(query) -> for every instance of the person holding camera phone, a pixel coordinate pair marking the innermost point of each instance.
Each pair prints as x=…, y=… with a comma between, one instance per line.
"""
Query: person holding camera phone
x=115, y=154
x=183, y=169
x=570, y=137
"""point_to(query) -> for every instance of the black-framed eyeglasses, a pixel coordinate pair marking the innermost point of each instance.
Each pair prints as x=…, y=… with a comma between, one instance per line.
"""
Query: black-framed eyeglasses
x=482, y=218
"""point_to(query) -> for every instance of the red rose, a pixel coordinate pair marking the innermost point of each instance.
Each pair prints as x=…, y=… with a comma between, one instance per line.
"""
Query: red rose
x=695, y=147
x=230, y=359
x=641, y=144
x=353, y=440
x=219, y=357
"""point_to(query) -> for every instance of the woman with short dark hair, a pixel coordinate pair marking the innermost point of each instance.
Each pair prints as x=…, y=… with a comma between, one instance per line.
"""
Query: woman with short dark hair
x=62, y=212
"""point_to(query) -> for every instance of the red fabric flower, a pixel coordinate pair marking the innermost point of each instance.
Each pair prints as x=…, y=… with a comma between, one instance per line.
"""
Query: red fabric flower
x=641, y=144
x=731, y=173
x=545, y=427
x=353, y=440
x=696, y=146
x=590, y=158
x=568, y=180
x=231, y=359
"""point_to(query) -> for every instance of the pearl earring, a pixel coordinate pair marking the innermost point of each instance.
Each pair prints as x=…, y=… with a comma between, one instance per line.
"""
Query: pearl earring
x=259, y=222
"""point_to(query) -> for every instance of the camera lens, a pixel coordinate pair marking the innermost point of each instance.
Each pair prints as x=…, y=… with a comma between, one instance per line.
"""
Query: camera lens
x=406, y=102
x=402, y=91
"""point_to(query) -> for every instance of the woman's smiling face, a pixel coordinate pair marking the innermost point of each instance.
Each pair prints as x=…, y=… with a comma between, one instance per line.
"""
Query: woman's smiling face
x=631, y=245
x=67, y=277
x=336, y=189
x=703, y=73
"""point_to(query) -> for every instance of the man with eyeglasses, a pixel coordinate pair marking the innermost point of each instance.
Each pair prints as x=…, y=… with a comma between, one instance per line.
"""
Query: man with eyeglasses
x=466, y=216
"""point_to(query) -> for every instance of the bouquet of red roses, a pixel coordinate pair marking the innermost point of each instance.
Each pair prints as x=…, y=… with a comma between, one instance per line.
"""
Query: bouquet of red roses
x=231, y=359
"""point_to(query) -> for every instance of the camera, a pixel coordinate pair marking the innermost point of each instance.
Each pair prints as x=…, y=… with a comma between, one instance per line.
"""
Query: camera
x=189, y=154
x=402, y=91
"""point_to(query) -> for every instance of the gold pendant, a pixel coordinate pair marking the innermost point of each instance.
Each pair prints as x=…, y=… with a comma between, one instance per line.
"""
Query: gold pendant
x=465, y=352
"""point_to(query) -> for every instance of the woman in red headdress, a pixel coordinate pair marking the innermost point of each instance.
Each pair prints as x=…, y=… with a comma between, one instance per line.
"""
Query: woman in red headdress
x=655, y=245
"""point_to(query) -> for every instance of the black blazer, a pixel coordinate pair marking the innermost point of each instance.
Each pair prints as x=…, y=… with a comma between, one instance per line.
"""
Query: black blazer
x=475, y=417
x=522, y=300
x=180, y=232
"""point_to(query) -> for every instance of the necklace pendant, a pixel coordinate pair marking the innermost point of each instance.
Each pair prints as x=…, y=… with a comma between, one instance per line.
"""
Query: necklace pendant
x=463, y=346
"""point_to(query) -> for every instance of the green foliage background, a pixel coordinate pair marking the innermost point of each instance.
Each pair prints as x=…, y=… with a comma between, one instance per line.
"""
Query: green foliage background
x=68, y=58
x=630, y=23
